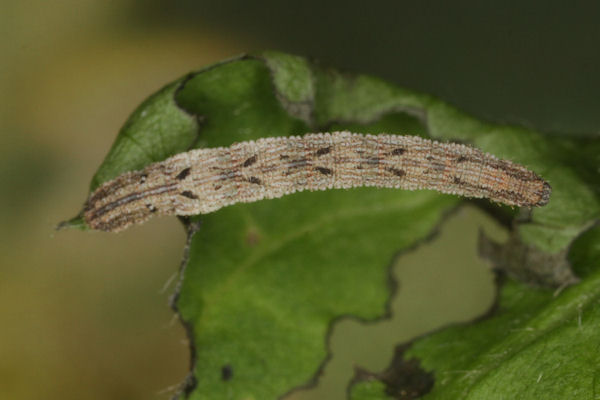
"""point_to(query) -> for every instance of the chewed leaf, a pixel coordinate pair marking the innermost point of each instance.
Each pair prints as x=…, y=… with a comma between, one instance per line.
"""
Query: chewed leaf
x=528, y=350
x=265, y=280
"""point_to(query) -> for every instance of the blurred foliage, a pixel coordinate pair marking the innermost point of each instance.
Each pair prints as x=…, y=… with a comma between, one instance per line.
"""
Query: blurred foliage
x=529, y=63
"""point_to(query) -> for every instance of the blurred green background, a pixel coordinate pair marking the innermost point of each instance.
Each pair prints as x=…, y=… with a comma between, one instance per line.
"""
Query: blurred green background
x=85, y=315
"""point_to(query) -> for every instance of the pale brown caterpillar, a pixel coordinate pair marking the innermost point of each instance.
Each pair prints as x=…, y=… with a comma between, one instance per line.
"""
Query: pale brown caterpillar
x=204, y=180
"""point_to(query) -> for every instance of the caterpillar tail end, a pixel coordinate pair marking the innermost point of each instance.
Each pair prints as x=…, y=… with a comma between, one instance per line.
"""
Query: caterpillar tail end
x=545, y=195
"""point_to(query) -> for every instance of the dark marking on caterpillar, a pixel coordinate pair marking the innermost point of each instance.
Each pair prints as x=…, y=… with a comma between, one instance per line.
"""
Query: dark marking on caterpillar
x=323, y=150
x=324, y=171
x=189, y=194
x=254, y=180
x=249, y=161
x=398, y=172
x=183, y=174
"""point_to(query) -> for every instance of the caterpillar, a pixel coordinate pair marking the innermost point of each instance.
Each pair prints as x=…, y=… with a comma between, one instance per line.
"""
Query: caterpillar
x=204, y=180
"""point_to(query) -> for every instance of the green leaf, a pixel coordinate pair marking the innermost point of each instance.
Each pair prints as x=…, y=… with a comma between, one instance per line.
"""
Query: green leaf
x=537, y=345
x=264, y=281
